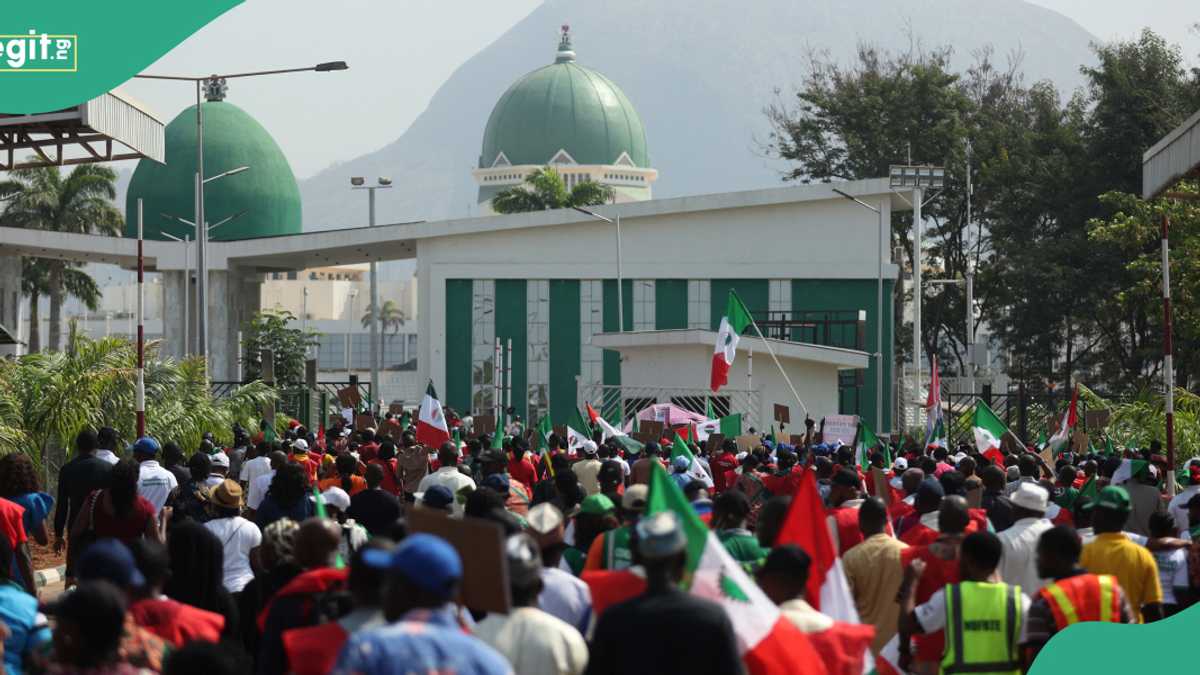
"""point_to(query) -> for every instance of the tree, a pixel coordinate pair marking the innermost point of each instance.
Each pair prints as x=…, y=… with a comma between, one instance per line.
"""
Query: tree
x=544, y=189
x=81, y=203
x=274, y=330
x=77, y=284
x=391, y=318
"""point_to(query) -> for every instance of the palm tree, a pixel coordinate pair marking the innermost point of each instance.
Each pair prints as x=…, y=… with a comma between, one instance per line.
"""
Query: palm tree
x=391, y=317
x=35, y=273
x=544, y=189
x=80, y=202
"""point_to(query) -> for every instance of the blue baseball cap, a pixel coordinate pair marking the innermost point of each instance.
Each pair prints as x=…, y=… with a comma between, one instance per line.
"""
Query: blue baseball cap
x=110, y=560
x=426, y=561
x=681, y=463
x=146, y=445
x=498, y=482
x=438, y=497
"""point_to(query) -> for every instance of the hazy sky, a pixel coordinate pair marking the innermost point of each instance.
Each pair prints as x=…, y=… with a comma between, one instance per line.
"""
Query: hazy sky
x=400, y=51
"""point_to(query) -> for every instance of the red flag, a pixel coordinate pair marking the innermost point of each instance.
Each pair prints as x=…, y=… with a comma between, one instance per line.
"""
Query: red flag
x=805, y=526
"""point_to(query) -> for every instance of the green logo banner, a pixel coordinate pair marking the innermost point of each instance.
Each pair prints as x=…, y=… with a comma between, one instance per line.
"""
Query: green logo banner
x=58, y=54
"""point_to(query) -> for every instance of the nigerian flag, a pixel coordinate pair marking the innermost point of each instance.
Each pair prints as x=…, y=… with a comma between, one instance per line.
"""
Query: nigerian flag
x=768, y=642
x=988, y=428
x=867, y=441
x=578, y=432
x=1129, y=469
x=695, y=471
x=1041, y=440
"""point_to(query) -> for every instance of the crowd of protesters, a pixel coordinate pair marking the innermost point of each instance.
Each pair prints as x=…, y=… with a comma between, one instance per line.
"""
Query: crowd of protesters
x=293, y=554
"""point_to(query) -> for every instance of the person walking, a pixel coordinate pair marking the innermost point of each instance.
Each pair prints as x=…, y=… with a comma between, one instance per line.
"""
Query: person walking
x=238, y=536
x=154, y=482
x=1112, y=552
x=874, y=572
x=981, y=615
x=1020, y=540
x=1072, y=594
x=78, y=478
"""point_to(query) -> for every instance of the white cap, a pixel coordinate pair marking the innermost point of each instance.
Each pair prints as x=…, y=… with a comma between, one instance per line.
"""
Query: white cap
x=220, y=459
x=337, y=498
x=900, y=463
x=300, y=444
x=958, y=457
x=1030, y=496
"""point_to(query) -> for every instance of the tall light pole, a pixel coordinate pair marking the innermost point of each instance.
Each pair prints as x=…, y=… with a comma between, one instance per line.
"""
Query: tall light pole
x=620, y=283
x=916, y=178
x=359, y=183
x=215, y=86
x=969, y=283
x=187, y=270
x=349, y=327
x=878, y=309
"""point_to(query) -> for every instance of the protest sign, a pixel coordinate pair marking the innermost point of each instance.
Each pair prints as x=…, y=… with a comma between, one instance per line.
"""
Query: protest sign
x=480, y=545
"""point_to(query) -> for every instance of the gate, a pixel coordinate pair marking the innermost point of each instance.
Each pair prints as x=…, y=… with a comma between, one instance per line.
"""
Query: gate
x=622, y=402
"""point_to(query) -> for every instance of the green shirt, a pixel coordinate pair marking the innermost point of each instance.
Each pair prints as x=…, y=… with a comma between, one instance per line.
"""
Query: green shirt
x=744, y=548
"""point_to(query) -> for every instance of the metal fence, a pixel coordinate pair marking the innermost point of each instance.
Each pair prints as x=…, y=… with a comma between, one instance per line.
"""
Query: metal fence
x=622, y=402
x=302, y=403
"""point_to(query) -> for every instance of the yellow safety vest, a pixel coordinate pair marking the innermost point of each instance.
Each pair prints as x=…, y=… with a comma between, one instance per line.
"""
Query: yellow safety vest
x=983, y=625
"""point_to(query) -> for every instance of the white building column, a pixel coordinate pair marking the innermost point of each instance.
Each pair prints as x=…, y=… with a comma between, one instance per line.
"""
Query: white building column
x=172, y=314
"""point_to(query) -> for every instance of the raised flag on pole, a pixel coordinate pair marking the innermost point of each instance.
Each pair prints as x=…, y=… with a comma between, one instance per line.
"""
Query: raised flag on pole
x=431, y=423
x=1129, y=469
x=578, y=432
x=1063, y=435
x=736, y=319
x=729, y=426
x=695, y=470
x=867, y=441
x=769, y=644
x=609, y=431
x=805, y=526
x=988, y=429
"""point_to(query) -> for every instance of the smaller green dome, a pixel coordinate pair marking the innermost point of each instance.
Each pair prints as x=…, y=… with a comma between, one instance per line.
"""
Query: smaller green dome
x=564, y=106
x=267, y=192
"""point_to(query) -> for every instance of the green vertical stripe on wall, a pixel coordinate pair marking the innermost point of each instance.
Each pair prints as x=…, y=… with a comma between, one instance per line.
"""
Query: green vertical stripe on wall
x=612, y=358
x=458, y=345
x=755, y=294
x=565, y=349
x=670, y=304
x=511, y=317
x=855, y=295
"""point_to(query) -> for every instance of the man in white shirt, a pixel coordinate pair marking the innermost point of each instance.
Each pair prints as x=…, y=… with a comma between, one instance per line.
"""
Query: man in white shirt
x=154, y=482
x=1018, y=560
x=563, y=595
x=220, y=467
x=259, y=464
x=534, y=642
x=106, y=440
x=448, y=476
x=238, y=536
x=259, y=486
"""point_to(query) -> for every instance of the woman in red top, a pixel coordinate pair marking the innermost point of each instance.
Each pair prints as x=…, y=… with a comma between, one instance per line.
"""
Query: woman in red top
x=118, y=511
x=387, y=461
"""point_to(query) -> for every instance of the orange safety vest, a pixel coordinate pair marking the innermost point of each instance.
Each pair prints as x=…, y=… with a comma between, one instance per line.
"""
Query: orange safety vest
x=1083, y=597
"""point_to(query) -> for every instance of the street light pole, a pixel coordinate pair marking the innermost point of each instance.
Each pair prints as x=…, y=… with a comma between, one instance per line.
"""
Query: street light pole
x=878, y=309
x=349, y=327
x=620, y=281
x=216, y=84
x=358, y=183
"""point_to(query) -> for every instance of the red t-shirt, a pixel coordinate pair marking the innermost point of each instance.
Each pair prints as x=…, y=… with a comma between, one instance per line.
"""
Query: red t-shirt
x=724, y=465
x=176, y=622
x=12, y=523
x=938, y=573
x=389, y=483
x=127, y=528
x=523, y=470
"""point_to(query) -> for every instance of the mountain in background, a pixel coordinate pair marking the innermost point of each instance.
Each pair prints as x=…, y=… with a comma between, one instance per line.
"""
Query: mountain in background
x=699, y=72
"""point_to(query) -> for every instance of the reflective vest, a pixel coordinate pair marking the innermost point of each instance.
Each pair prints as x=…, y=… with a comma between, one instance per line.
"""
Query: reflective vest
x=1083, y=597
x=983, y=626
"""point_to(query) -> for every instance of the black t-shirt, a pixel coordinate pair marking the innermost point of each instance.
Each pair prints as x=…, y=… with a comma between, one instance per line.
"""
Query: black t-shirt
x=76, y=479
x=999, y=510
x=375, y=510
x=667, y=632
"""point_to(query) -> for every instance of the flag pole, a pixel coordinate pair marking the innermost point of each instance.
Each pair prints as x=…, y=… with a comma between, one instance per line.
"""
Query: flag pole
x=779, y=365
x=140, y=394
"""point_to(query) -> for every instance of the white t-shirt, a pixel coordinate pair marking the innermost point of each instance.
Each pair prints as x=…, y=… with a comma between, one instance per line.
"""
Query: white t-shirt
x=258, y=490
x=1178, y=507
x=259, y=466
x=1172, y=572
x=237, y=536
x=155, y=483
x=534, y=642
x=107, y=455
x=932, y=614
x=450, y=478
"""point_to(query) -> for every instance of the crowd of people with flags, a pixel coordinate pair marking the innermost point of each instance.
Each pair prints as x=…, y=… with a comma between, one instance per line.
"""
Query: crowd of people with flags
x=295, y=554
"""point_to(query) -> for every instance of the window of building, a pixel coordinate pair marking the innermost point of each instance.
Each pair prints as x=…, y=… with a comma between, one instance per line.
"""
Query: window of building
x=699, y=304
x=537, y=341
x=780, y=297
x=483, y=344
x=591, y=322
x=643, y=304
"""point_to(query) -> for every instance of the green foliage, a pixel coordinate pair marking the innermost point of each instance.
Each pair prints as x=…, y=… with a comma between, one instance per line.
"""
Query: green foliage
x=48, y=398
x=1143, y=418
x=274, y=330
x=391, y=317
x=545, y=189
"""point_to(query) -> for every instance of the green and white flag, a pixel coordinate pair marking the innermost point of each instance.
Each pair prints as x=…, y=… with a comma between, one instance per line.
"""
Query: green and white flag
x=1041, y=440
x=1129, y=469
x=579, y=433
x=988, y=428
x=867, y=441
x=544, y=428
x=729, y=426
x=631, y=445
x=695, y=470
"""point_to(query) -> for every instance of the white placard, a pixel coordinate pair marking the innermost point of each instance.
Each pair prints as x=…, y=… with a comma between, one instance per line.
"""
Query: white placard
x=840, y=428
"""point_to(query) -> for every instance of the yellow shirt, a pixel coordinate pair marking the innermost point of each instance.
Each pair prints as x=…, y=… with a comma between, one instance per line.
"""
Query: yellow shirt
x=1133, y=566
x=874, y=572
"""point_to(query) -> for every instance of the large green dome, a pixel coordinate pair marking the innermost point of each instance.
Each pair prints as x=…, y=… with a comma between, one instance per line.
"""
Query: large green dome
x=564, y=106
x=267, y=192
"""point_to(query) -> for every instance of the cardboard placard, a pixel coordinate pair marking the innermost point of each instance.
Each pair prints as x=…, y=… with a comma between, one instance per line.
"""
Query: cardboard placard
x=714, y=441
x=747, y=442
x=1096, y=419
x=644, y=438
x=882, y=489
x=975, y=497
x=364, y=421
x=655, y=429
x=783, y=414
x=484, y=424
x=797, y=440
x=480, y=545
x=1047, y=456
x=839, y=428
x=349, y=397
x=396, y=408
x=1079, y=442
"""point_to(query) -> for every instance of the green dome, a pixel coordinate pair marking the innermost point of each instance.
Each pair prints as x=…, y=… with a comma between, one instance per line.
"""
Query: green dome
x=564, y=106
x=267, y=192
